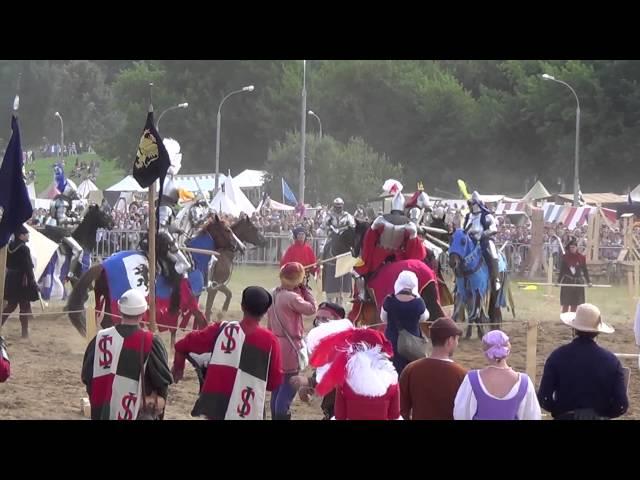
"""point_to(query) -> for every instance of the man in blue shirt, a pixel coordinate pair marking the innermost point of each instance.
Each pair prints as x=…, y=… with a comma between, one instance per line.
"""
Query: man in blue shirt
x=582, y=380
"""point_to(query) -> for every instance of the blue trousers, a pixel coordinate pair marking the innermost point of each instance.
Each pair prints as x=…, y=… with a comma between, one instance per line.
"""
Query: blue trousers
x=281, y=399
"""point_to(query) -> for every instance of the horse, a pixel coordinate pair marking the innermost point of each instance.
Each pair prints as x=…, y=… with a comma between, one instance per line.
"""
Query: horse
x=217, y=235
x=474, y=297
x=335, y=245
x=366, y=309
x=129, y=269
x=53, y=278
x=432, y=260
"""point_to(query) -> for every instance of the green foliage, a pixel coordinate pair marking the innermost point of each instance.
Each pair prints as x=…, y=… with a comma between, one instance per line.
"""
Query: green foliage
x=351, y=170
x=495, y=123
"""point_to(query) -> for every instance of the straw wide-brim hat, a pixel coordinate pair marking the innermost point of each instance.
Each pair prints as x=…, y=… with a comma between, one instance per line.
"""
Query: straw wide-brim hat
x=586, y=318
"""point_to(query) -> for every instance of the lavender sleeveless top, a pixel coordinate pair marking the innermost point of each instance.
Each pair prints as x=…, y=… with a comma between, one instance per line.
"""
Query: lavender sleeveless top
x=490, y=408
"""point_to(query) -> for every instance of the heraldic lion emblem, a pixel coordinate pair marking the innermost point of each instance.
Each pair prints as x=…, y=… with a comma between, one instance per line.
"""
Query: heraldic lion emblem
x=147, y=150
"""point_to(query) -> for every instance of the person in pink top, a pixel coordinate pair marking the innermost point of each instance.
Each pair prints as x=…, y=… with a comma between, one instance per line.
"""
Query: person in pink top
x=291, y=300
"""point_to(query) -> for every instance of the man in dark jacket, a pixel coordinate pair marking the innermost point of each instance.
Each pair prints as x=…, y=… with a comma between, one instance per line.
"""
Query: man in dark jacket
x=20, y=286
x=582, y=380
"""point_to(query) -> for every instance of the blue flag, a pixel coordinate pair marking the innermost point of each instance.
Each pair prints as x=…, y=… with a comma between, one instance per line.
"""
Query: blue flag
x=15, y=207
x=287, y=194
x=58, y=177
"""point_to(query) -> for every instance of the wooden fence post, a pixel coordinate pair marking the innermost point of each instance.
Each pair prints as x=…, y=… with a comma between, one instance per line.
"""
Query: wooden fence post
x=532, y=349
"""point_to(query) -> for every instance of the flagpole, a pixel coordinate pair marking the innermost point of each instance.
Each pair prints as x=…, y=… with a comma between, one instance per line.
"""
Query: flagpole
x=303, y=130
x=152, y=244
x=3, y=272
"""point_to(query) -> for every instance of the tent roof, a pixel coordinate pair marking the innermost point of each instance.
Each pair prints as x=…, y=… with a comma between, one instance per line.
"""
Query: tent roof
x=537, y=191
x=593, y=198
x=41, y=203
x=128, y=184
x=250, y=178
x=86, y=187
x=206, y=181
x=223, y=204
x=238, y=197
x=281, y=206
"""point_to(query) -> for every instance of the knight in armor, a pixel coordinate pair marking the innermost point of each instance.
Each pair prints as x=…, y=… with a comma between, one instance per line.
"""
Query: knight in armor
x=338, y=220
x=438, y=221
x=391, y=237
x=480, y=224
x=360, y=214
x=418, y=205
x=62, y=216
x=173, y=261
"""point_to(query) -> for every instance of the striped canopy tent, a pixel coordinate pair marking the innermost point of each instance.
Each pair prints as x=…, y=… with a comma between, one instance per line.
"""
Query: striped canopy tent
x=573, y=217
x=505, y=208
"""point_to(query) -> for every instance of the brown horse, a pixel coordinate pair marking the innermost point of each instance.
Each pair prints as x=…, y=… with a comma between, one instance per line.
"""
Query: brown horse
x=185, y=303
x=243, y=230
x=380, y=284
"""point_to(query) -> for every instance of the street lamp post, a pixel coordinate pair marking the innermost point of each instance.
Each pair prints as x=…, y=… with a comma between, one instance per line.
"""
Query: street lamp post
x=576, y=166
x=180, y=105
x=303, y=129
x=248, y=88
x=319, y=121
x=57, y=114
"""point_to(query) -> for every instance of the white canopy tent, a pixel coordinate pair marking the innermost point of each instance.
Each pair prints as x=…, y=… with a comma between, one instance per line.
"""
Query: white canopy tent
x=41, y=203
x=198, y=181
x=273, y=205
x=129, y=184
x=238, y=197
x=86, y=187
x=31, y=189
x=250, y=179
x=221, y=203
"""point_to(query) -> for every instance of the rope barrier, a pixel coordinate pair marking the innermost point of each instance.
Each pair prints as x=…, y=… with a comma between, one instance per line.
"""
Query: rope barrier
x=38, y=314
x=41, y=314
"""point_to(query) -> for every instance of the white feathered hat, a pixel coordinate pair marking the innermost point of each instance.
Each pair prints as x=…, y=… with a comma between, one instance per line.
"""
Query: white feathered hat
x=394, y=187
x=175, y=157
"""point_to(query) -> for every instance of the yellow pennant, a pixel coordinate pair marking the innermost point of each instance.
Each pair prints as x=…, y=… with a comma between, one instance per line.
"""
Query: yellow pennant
x=463, y=189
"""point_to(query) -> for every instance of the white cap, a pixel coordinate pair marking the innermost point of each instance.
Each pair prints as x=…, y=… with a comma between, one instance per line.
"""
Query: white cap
x=133, y=303
x=407, y=280
x=398, y=202
x=338, y=201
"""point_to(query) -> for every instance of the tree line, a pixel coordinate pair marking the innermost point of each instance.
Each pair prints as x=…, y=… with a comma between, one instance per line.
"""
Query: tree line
x=495, y=123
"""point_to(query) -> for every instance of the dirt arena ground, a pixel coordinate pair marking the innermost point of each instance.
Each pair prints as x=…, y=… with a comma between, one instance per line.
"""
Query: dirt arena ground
x=45, y=369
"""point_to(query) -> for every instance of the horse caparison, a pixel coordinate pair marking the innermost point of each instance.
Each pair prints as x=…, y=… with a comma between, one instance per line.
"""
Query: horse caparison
x=220, y=231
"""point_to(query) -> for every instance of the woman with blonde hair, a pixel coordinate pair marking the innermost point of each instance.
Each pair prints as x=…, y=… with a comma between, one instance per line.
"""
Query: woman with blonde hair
x=497, y=392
